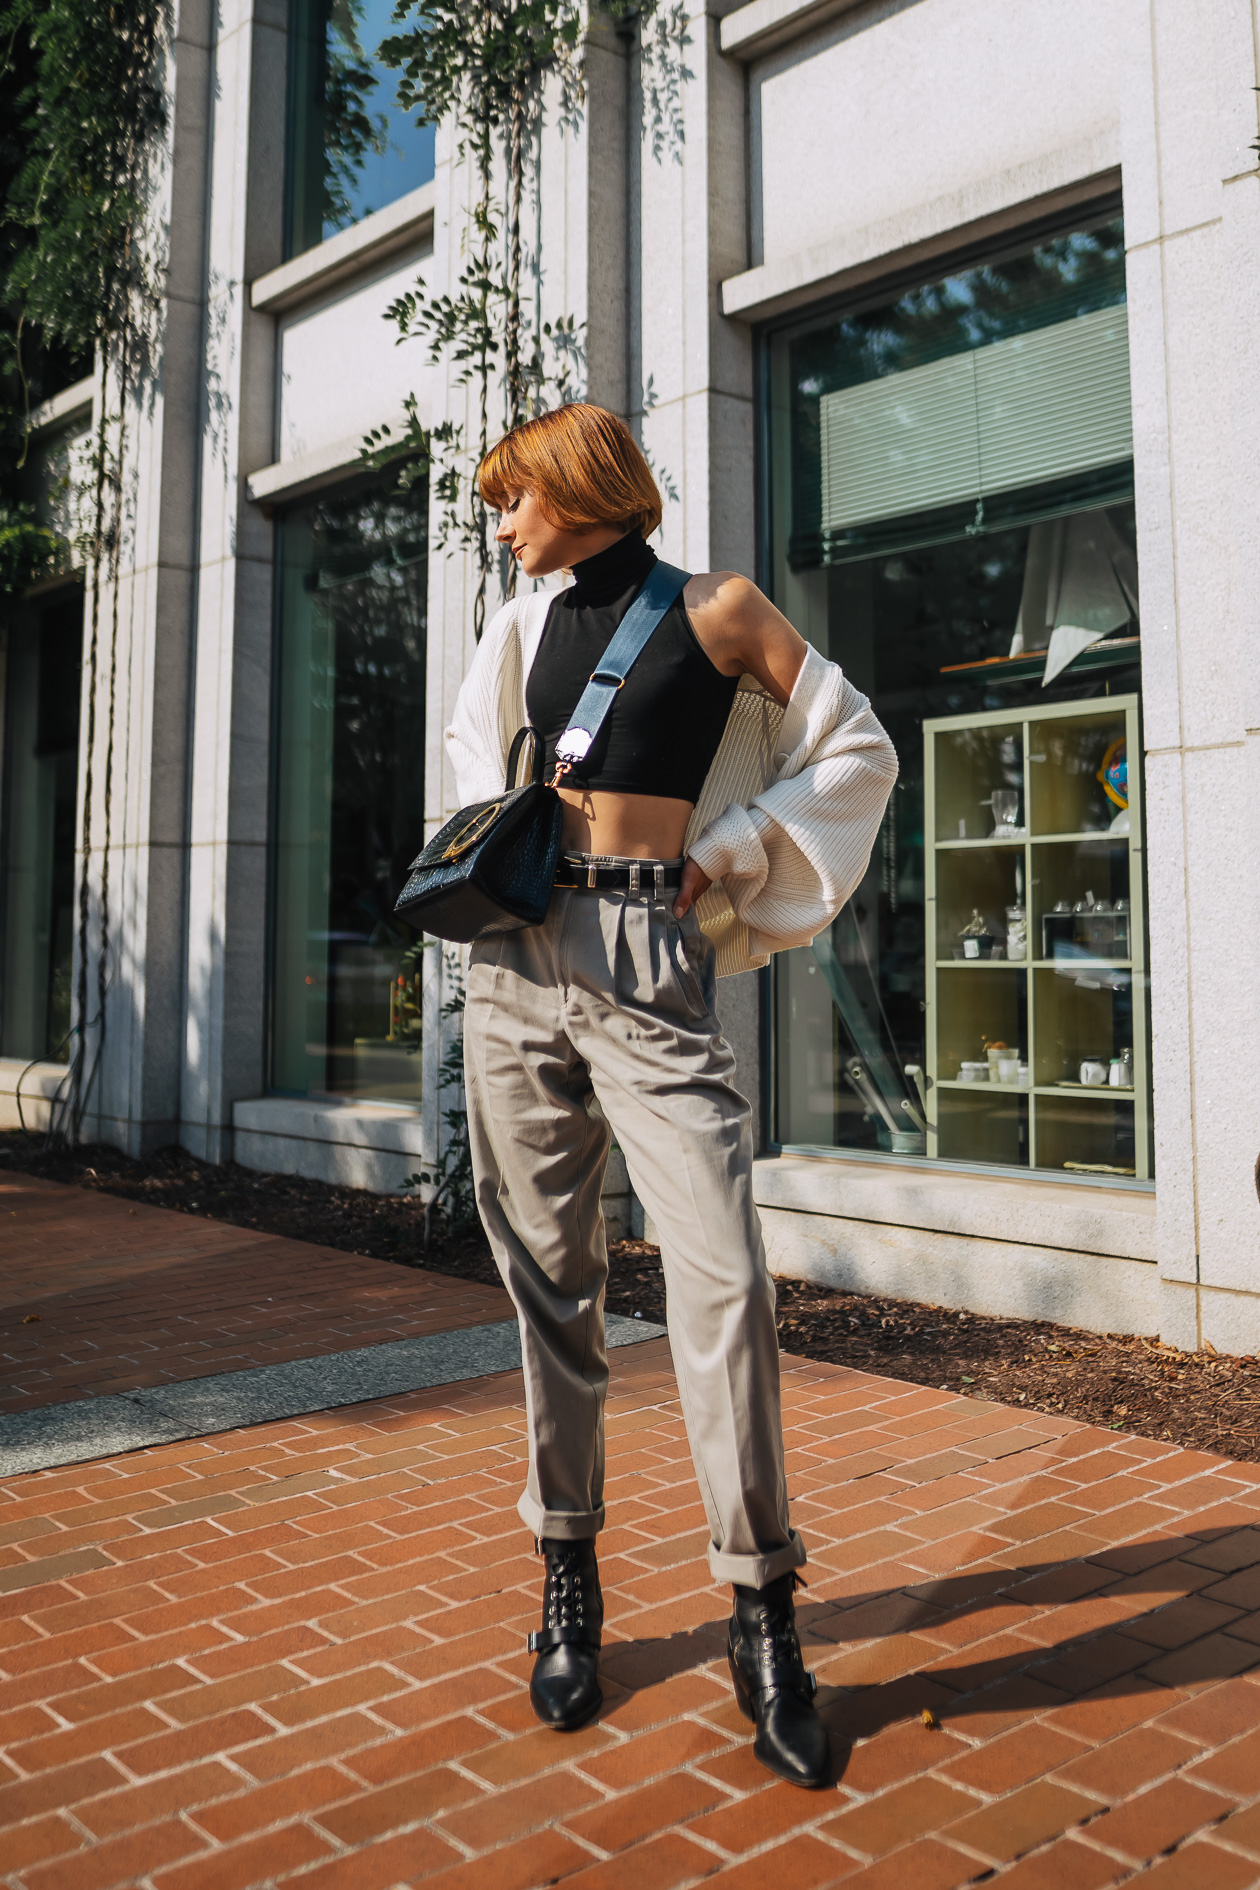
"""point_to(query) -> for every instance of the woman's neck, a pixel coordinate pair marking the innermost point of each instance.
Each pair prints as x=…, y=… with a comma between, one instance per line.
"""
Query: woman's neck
x=612, y=571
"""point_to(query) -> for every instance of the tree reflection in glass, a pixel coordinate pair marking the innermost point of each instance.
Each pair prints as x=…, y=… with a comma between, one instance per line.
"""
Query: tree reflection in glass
x=349, y=797
x=351, y=149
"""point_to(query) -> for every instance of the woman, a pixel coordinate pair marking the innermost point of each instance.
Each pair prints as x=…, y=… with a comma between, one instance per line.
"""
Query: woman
x=737, y=769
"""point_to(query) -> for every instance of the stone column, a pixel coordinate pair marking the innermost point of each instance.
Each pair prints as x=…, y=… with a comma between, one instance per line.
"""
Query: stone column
x=134, y=1099
x=1192, y=217
x=224, y=1024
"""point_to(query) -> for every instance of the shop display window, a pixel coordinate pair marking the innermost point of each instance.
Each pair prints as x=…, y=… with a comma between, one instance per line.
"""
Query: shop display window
x=348, y=796
x=949, y=516
x=351, y=149
x=41, y=674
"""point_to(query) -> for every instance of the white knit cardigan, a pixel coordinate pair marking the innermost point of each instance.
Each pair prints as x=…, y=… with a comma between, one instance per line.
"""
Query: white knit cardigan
x=789, y=810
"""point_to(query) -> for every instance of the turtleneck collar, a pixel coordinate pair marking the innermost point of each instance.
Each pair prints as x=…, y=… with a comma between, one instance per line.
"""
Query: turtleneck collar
x=612, y=572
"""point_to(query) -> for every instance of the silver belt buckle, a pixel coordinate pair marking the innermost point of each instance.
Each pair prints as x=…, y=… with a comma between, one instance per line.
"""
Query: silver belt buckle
x=658, y=874
x=634, y=876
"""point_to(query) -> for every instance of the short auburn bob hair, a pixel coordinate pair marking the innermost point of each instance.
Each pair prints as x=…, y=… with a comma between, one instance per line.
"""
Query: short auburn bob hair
x=582, y=466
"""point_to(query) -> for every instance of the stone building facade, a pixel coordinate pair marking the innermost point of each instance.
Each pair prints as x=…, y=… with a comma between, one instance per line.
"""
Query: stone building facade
x=942, y=321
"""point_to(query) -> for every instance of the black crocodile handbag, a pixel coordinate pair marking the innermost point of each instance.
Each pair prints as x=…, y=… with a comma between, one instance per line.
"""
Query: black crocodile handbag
x=493, y=866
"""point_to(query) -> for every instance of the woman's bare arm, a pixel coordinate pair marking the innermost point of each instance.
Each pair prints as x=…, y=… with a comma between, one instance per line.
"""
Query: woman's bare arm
x=742, y=632
x=743, y=635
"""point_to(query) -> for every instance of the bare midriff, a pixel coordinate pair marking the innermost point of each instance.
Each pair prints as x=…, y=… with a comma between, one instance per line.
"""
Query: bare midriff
x=628, y=826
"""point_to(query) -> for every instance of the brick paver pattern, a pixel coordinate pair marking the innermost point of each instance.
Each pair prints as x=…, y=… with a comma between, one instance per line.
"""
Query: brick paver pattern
x=294, y=1654
x=97, y=1296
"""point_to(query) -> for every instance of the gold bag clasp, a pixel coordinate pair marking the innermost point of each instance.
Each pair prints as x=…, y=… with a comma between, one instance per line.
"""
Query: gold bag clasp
x=468, y=836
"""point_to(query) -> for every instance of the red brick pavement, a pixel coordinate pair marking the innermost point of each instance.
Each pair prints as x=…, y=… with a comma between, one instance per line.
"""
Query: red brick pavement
x=293, y=1655
x=129, y=1296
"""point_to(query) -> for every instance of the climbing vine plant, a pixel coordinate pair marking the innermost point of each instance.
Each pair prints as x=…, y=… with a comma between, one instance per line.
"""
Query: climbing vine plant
x=81, y=86
x=484, y=64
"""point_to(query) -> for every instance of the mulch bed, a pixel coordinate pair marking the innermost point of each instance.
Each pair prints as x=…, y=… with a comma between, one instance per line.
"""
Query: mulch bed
x=1201, y=1401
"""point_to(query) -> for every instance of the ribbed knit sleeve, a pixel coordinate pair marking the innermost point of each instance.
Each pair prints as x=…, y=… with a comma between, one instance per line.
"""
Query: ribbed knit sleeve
x=474, y=741
x=731, y=847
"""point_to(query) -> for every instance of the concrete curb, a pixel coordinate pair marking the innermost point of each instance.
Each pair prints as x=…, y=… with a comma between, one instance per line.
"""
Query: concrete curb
x=58, y=1434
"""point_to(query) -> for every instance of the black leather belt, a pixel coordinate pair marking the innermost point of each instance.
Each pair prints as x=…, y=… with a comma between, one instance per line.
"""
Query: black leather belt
x=588, y=873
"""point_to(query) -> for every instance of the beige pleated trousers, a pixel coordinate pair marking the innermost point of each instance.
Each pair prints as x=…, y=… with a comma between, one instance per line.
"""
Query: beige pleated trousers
x=611, y=999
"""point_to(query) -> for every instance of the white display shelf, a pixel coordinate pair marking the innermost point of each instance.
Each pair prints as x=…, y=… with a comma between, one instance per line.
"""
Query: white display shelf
x=1048, y=1008
x=1068, y=966
x=1086, y=834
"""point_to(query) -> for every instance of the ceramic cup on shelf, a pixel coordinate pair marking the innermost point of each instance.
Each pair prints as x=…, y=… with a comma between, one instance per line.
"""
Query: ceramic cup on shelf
x=1008, y=1068
x=1094, y=1073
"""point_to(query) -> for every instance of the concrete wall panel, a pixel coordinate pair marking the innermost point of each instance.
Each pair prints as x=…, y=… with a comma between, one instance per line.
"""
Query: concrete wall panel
x=340, y=368
x=898, y=103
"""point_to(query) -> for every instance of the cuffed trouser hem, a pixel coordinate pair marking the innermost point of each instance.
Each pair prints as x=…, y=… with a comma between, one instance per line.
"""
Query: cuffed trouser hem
x=754, y=1571
x=562, y=1525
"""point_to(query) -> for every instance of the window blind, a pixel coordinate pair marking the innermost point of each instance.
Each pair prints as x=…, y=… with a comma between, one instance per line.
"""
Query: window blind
x=1031, y=408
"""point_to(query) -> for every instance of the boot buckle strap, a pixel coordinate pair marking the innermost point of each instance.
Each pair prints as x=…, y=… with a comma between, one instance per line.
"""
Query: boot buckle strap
x=775, y=1679
x=542, y=1640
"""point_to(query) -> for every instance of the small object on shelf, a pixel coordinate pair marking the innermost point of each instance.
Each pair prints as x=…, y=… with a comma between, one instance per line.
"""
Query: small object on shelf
x=1120, y=1072
x=1022, y=1076
x=993, y=1052
x=1113, y=775
x=1005, y=805
x=1016, y=932
x=1099, y=930
x=1093, y=928
x=1008, y=1067
x=1093, y=1073
x=974, y=1072
x=977, y=939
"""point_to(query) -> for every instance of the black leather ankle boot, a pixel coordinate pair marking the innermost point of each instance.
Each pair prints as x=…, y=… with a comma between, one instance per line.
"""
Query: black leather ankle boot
x=772, y=1686
x=564, y=1690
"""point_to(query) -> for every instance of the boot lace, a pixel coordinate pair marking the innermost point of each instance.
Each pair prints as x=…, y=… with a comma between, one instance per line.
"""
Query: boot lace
x=565, y=1601
x=780, y=1643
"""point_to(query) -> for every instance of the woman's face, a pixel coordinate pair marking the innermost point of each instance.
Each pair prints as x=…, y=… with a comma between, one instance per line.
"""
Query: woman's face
x=540, y=547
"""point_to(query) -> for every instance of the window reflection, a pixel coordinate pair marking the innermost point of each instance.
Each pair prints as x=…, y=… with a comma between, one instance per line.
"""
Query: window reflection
x=349, y=796
x=37, y=841
x=351, y=149
x=965, y=608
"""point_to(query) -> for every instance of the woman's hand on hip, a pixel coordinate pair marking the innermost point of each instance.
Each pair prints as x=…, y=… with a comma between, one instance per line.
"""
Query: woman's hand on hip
x=695, y=884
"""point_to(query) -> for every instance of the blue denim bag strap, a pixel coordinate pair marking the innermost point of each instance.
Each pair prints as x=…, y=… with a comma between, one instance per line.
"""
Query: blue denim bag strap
x=663, y=586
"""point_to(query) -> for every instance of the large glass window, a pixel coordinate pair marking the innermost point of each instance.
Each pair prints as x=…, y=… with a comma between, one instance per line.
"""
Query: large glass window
x=949, y=504
x=349, y=796
x=37, y=835
x=351, y=149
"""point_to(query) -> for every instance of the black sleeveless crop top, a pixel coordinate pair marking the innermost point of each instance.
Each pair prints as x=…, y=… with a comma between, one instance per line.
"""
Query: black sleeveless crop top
x=664, y=728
